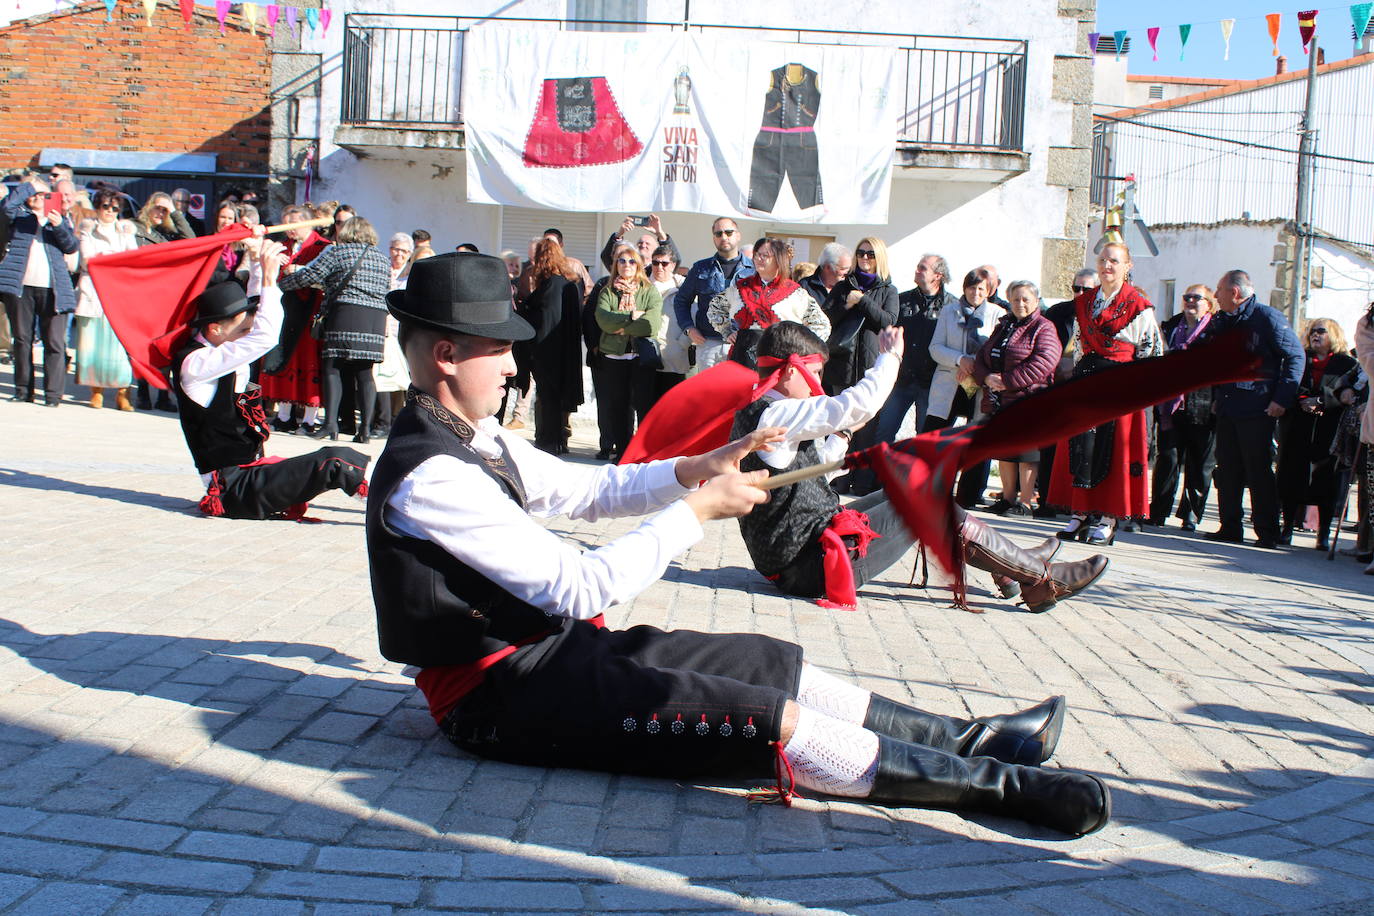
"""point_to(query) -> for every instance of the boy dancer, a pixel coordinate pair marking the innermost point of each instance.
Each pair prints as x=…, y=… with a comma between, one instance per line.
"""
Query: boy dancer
x=505, y=618
x=221, y=409
x=805, y=542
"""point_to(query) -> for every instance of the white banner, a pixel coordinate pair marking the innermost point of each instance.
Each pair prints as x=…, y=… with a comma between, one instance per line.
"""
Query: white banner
x=672, y=121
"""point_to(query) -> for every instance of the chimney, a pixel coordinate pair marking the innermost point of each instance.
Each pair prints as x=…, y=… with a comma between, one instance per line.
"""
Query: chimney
x=1281, y=65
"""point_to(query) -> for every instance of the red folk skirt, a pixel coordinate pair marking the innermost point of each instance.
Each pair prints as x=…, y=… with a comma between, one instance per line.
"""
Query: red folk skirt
x=1125, y=491
x=299, y=380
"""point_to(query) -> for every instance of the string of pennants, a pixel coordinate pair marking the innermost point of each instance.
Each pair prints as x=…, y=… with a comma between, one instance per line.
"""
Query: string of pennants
x=1307, y=27
x=253, y=13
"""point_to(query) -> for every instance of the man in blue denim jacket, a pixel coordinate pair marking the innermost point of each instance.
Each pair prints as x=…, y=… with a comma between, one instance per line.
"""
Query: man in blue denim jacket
x=1248, y=411
x=707, y=278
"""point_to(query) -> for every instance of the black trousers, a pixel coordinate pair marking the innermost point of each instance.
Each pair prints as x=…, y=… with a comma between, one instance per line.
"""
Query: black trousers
x=265, y=490
x=38, y=302
x=1187, y=449
x=625, y=392
x=805, y=576
x=356, y=375
x=548, y=413
x=642, y=700
x=784, y=155
x=1245, y=460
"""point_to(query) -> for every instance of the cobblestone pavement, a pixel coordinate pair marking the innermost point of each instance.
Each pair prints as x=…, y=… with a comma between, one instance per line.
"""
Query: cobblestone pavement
x=195, y=719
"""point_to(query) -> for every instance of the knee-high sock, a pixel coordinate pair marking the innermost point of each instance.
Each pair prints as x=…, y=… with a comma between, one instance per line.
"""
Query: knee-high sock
x=828, y=694
x=831, y=756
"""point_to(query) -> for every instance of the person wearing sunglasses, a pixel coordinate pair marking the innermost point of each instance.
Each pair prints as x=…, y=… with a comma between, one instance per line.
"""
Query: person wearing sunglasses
x=653, y=236
x=1307, y=467
x=101, y=361
x=676, y=347
x=160, y=221
x=707, y=279
x=35, y=284
x=752, y=304
x=1185, y=430
x=628, y=309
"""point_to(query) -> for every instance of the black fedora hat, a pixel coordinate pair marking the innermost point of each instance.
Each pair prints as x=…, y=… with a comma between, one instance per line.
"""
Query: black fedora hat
x=462, y=291
x=220, y=302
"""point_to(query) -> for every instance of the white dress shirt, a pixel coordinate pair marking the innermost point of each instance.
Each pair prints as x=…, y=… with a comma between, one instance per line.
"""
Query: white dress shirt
x=821, y=417
x=204, y=367
x=464, y=510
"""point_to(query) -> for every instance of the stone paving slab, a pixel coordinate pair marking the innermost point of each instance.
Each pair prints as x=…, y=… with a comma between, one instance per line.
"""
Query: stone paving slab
x=195, y=719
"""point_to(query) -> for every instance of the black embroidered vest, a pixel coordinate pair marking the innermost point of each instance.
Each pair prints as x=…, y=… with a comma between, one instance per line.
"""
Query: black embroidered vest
x=220, y=434
x=794, y=516
x=432, y=608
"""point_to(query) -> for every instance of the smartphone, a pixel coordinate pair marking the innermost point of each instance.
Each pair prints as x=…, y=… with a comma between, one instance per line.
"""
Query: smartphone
x=51, y=202
x=639, y=220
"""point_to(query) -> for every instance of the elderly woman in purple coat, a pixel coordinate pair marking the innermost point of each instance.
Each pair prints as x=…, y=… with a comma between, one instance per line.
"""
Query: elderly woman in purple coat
x=1018, y=359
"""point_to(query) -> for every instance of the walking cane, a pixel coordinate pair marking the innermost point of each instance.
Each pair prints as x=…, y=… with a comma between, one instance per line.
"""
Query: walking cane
x=1346, y=477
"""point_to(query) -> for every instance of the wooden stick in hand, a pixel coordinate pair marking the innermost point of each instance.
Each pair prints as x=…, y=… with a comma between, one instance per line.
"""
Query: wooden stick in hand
x=816, y=470
x=311, y=223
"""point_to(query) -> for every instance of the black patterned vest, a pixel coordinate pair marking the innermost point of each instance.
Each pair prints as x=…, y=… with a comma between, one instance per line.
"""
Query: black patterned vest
x=433, y=609
x=792, y=105
x=795, y=515
x=220, y=434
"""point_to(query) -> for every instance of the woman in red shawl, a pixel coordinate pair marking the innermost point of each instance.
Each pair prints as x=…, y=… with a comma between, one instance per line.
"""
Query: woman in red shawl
x=1100, y=475
x=297, y=382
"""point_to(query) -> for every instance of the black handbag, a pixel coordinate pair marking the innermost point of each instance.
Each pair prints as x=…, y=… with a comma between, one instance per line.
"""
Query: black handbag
x=317, y=326
x=650, y=356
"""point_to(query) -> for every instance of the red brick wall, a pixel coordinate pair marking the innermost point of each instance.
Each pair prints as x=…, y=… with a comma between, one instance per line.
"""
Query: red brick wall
x=73, y=81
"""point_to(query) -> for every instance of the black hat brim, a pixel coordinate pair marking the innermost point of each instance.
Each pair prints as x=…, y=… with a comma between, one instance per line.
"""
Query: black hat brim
x=513, y=328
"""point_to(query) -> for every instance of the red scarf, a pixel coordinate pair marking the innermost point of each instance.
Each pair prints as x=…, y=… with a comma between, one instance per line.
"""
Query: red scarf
x=1099, y=333
x=1318, y=364
x=758, y=299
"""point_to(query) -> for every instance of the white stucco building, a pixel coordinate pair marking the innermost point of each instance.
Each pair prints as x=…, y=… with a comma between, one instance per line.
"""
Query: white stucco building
x=991, y=158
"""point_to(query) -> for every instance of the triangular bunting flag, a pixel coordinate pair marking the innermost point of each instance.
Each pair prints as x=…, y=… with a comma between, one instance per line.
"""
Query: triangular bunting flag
x=273, y=12
x=1275, y=20
x=1307, y=26
x=292, y=16
x=1359, y=16
x=109, y=10
x=1093, y=39
x=312, y=17
x=1153, y=35
x=1227, y=25
x=1120, y=36
x=250, y=12
x=222, y=11
x=188, y=8
x=149, y=7
x=324, y=20
x=1183, y=32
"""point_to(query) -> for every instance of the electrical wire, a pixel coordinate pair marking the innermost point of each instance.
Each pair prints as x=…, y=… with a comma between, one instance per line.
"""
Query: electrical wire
x=1245, y=143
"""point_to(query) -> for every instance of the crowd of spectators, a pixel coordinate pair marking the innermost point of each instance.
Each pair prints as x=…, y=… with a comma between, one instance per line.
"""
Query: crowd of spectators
x=1295, y=438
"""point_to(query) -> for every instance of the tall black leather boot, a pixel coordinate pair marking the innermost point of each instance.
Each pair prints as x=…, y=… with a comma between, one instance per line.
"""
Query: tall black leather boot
x=927, y=777
x=1042, y=584
x=1027, y=738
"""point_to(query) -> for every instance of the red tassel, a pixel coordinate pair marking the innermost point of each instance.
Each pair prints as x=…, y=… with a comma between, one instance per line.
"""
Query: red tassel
x=779, y=794
x=211, y=504
x=361, y=492
x=296, y=513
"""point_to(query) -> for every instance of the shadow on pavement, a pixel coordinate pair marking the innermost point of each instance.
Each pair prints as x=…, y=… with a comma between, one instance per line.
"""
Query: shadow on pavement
x=9, y=477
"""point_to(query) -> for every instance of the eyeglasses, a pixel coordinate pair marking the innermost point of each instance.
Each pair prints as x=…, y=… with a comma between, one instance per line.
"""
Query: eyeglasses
x=864, y=253
x=1192, y=297
x=1316, y=331
x=1081, y=289
x=719, y=232
x=55, y=176
x=663, y=263
x=626, y=261
x=114, y=207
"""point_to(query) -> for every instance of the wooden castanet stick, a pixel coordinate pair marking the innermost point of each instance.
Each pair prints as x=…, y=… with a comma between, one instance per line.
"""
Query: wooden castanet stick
x=816, y=470
x=282, y=227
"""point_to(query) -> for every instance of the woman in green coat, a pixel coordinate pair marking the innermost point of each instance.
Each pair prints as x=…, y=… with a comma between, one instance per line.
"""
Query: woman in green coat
x=628, y=311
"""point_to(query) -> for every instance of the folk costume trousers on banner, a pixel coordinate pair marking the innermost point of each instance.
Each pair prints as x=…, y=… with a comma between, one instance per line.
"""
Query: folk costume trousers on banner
x=785, y=153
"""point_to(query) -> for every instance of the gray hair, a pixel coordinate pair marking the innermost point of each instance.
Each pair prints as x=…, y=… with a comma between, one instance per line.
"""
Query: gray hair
x=1241, y=281
x=941, y=266
x=1023, y=284
x=831, y=255
x=402, y=239
x=1087, y=273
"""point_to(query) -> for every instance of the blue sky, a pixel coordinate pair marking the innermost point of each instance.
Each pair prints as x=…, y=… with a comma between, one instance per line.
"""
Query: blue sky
x=1252, y=54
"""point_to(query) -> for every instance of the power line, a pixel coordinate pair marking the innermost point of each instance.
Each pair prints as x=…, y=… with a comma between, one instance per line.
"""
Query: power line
x=1245, y=143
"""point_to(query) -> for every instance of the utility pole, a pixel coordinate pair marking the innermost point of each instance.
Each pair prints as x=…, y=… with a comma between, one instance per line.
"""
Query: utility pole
x=1297, y=297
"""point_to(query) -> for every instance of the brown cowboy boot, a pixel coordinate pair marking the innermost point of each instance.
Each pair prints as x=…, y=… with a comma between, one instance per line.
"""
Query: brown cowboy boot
x=1042, y=584
x=1045, y=551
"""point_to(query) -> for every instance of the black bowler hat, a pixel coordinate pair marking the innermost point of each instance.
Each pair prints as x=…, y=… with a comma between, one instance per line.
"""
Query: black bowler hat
x=462, y=291
x=220, y=302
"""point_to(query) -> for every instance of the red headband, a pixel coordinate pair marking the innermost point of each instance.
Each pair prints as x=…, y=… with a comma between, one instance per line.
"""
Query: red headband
x=802, y=364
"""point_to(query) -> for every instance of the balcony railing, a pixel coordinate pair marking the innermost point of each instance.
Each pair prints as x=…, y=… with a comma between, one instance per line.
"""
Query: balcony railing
x=966, y=93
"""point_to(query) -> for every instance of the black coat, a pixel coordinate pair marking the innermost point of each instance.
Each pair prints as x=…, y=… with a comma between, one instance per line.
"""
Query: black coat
x=555, y=351
x=852, y=354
